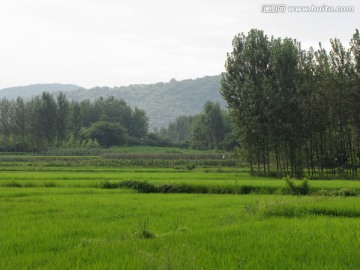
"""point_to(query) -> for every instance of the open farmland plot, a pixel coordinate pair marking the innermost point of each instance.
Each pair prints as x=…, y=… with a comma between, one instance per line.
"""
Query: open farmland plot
x=86, y=228
x=61, y=217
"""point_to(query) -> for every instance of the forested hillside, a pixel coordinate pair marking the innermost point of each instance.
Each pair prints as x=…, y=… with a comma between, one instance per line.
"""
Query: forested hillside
x=162, y=102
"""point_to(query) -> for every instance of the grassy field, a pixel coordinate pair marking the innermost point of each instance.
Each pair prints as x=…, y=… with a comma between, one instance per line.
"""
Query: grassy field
x=61, y=217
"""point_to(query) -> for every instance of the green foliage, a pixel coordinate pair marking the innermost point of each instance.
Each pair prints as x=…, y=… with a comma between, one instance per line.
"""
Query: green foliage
x=47, y=119
x=294, y=109
x=153, y=139
x=106, y=133
x=139, y=124
x=45, y=122
x=178, y=131
x=206, y=130
x=62, y=115
x=199, y=133
x=190, y=166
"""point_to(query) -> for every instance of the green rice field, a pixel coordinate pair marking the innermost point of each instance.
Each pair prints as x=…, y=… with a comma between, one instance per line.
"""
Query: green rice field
x=62, y=216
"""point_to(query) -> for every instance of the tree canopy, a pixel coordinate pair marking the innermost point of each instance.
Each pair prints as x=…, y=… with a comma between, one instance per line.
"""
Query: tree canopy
x=210, y=129
x=46, y=121
x=294, y=108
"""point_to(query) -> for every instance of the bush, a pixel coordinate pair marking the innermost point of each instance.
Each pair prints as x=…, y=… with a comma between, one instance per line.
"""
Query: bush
x=190, y=166
x=106, y=133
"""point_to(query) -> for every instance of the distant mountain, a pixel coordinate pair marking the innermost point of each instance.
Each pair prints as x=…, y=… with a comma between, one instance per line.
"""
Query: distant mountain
x=35, y=89
x=162, y=102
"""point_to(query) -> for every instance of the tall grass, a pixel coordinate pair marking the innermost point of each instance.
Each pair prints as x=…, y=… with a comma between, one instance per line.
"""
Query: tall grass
x=86, y=228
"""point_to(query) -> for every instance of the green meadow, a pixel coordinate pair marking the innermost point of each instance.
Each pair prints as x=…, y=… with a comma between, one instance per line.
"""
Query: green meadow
x=82, y=213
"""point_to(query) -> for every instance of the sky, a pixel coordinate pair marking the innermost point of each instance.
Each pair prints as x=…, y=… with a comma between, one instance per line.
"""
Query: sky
x=121, y=42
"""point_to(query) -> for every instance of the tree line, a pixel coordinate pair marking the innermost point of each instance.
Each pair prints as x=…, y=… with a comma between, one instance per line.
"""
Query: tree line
x=210, y=129
x=54, y=122
x=46, y=121
x=295, y=111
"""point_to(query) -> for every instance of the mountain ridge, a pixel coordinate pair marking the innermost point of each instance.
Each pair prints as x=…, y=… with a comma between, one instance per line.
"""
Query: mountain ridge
x=28, y=91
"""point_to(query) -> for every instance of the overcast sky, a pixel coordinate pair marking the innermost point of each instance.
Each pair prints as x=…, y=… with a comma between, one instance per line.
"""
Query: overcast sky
x=121, y=42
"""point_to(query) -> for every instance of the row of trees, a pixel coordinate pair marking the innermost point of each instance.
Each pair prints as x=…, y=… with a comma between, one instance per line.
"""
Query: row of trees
x=46, y=121
x=295, y=109
x=210, y=129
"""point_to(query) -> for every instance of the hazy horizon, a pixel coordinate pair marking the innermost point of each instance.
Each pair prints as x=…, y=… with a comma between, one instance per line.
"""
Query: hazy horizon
x=52, y=83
